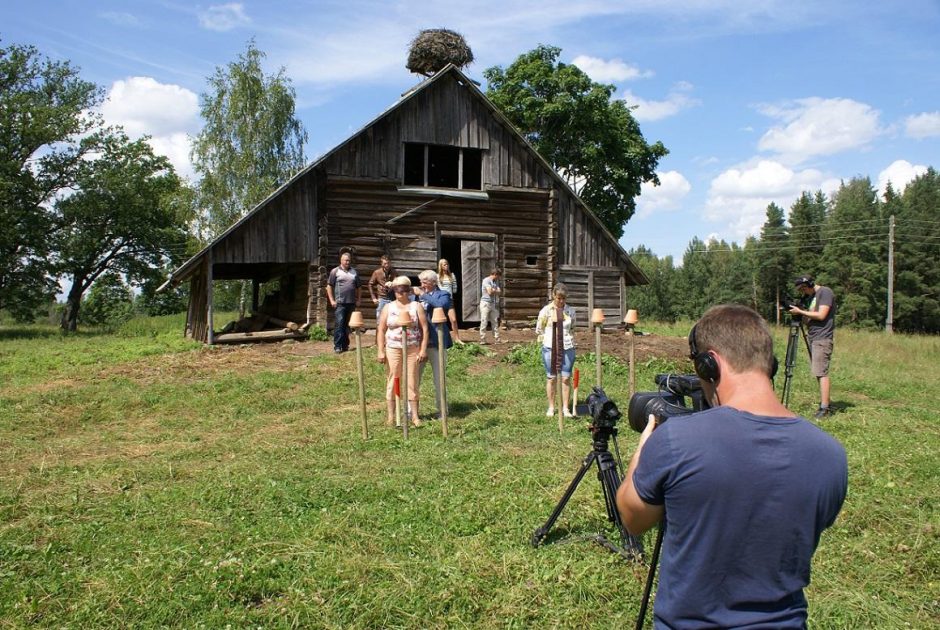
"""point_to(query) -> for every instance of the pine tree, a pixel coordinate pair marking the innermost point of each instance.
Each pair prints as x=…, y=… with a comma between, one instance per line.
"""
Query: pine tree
x=917, y=255
x=807, y=220
x=774, y=263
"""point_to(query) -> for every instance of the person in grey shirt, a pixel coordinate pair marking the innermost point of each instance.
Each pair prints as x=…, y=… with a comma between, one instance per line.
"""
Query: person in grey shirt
x=342, y=289
x=490, y=292
x=820, y=314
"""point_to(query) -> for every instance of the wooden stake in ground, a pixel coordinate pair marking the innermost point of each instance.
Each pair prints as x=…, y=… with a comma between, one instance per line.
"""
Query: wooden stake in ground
x=558, y=354
x=631, y=320
x=440, y=319
x=404, y=320
x=597, y=319
x=355, y=322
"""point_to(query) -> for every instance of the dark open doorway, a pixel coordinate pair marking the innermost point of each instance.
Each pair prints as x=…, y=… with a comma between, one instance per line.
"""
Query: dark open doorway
x=450, y=249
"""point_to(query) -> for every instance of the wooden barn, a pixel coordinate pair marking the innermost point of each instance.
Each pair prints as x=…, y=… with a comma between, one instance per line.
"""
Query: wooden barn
x=441, y=174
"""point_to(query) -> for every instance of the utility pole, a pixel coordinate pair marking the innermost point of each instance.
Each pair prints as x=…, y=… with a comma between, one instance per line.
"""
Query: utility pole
x=889, y=323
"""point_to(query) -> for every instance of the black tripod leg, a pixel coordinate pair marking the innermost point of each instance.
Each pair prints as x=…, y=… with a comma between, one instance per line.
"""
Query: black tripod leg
x=610, y=482
x=542, y=531
x=789, y=363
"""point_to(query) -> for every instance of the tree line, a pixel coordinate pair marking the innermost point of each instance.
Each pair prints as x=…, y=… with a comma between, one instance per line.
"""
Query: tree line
x=842, y=241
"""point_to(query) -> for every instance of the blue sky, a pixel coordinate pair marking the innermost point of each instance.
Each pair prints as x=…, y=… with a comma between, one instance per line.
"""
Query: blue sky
x=756, y=100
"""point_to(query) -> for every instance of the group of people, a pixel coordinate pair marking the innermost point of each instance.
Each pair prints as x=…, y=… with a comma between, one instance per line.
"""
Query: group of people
x=743, y=490
x=393, y=295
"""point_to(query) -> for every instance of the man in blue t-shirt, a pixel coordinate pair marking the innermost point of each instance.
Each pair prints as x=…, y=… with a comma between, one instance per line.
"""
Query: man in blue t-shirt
x=746, y=488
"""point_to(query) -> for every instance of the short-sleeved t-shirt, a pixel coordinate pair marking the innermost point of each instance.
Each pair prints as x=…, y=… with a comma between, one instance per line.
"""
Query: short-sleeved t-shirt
x=488, y=282
x=746, y=499
x=344, y=284
x=431, y=300
x=826, y=328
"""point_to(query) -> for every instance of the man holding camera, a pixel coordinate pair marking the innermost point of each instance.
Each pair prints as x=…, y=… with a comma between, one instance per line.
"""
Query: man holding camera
x=820, y=313
x=746, y=488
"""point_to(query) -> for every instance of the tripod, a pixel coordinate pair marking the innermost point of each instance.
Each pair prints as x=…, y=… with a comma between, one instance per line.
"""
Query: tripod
x=608, y=473
x=796, y=330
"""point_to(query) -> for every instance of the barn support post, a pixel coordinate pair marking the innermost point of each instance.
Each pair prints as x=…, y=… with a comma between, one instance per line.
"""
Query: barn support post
x=590, y=288
x=210, y=298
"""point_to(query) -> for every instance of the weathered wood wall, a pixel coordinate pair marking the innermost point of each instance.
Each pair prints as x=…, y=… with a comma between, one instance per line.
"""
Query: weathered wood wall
x=359, y=212
x=594, y=287
x=197, y=316
x=446, y=114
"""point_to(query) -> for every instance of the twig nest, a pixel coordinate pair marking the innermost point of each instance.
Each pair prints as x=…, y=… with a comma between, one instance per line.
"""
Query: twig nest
x=434, y=48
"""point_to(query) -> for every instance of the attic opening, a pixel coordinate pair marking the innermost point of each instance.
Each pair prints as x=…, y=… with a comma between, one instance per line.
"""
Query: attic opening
x=439, y=166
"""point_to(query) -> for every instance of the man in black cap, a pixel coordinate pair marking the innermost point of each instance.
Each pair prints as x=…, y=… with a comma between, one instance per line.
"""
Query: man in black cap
x=820, y=317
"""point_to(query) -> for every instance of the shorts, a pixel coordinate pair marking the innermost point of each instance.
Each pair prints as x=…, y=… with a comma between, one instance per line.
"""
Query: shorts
x=567, y=362
x=821, y=355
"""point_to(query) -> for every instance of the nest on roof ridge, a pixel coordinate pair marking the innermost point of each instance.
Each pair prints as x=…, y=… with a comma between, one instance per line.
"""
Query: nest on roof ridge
x=434, y=48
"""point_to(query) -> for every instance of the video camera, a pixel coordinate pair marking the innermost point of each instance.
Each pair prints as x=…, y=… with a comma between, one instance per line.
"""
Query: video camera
x=603, y=410
x=668, y=401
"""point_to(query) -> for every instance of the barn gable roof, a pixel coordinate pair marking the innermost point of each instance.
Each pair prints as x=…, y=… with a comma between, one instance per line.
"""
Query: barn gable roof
x=187, y=268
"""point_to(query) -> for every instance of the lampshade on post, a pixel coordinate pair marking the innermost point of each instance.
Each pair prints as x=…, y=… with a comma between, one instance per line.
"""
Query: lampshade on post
x=631, y=320
x=357, y=325
x=439, y=317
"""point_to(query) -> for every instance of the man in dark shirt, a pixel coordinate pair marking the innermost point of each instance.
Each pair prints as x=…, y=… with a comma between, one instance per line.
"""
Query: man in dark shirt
x=342, y=289
x=379, y=285
x=746, y=488
x=820, y=315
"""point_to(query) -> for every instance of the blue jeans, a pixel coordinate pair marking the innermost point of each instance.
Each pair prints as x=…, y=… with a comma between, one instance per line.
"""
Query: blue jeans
x=567, y=362
x=378, y=309
x=341, y=325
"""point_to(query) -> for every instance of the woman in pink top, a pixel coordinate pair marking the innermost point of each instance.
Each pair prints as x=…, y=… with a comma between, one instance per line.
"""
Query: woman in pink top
x=389, y=340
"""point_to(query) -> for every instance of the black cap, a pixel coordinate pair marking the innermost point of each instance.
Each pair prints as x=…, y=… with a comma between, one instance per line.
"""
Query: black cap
x=803, y=281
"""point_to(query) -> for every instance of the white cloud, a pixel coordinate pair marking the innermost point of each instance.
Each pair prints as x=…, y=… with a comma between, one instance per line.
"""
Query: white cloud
x=609, y=71
x=817, y=126
x=677, y=100
x=168, y=113
x=673, y=188
x=926, y=125
x=224, y=17
x=739, y=196
x=900, y=173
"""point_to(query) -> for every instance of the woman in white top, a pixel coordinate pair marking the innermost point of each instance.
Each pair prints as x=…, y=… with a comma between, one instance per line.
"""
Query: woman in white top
x=389, y=342
x=446, y=280
x=545, y=328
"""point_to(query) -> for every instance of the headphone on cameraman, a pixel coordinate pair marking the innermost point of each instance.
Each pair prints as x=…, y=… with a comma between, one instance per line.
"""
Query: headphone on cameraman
x=707, y=367
x=805, y=280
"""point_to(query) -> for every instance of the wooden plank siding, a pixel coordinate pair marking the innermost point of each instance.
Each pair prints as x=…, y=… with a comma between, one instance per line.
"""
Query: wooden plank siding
x=600, y=284
x=359, y=211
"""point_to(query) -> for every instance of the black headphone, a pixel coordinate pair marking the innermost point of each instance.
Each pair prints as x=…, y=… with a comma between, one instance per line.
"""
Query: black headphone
x=805, y=280
x=707, y=367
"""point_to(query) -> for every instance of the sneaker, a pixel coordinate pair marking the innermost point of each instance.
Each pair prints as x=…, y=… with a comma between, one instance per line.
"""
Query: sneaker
x=550, y=412
x=822, y=412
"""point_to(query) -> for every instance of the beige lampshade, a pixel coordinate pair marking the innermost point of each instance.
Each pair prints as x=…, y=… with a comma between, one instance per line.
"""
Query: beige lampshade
x=355, y=320
x=597, y=316
x=404, y=319
x=439, y=316
x=632, y=317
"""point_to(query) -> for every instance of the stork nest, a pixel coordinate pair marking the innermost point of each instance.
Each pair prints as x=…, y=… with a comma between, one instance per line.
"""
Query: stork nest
x=434, y=48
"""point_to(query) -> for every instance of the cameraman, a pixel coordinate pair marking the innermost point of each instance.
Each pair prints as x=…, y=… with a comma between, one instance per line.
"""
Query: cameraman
x=821, y=324
x=746, y=488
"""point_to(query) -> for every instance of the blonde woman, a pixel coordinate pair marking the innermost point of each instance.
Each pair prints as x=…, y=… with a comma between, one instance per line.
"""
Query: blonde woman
x=389, y=341
x=545, y=328
x=446, y=280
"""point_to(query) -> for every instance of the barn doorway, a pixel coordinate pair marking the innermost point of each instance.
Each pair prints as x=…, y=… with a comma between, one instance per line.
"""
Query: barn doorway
x=471, y=258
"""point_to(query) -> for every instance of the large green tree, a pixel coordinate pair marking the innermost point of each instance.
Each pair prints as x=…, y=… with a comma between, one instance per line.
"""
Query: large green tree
x=45, y=130
x=917, y=254
x=807, y=219
x=590, y=138
x=251, y=142
x=125, y=218
x=855, y=255
x=774, y=263
x=658, y=300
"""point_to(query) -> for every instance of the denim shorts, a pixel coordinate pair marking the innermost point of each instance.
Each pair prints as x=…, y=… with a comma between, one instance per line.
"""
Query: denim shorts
x=567, y=362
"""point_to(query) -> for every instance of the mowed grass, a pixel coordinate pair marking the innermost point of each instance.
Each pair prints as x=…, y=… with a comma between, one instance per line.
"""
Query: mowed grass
x=149, y=481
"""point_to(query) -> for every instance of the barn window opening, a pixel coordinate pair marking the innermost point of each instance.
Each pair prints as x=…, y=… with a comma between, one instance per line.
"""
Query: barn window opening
x=531, y=260
x=441, y=166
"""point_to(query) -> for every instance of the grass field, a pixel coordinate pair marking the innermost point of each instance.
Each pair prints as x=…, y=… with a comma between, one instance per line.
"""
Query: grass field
x=149, y=481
